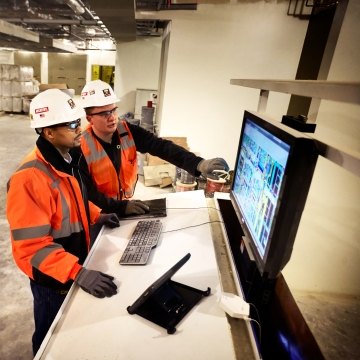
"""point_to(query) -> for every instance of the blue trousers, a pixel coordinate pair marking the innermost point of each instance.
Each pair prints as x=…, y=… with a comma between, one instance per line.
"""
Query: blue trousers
x=47, y=303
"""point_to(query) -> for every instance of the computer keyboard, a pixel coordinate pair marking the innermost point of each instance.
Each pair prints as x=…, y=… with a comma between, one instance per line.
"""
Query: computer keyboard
x=142, y=241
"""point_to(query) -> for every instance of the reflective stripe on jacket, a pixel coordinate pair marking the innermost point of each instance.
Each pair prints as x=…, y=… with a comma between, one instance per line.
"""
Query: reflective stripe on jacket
x=48, y=222
x=107, y=180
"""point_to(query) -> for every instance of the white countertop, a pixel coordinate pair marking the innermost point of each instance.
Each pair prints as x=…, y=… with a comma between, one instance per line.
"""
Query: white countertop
x=92, y=328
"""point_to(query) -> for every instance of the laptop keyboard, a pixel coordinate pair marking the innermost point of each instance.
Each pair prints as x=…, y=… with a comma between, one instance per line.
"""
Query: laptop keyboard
x=144, y=238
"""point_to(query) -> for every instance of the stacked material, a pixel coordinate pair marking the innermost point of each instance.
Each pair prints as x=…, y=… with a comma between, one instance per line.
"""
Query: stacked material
x=16, y=86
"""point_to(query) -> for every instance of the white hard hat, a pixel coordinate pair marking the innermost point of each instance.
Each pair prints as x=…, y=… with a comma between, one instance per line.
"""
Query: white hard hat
x=52, y=107
x=97, y=93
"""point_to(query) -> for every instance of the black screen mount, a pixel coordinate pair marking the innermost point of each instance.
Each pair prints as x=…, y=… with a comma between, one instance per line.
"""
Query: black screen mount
x=166, y=302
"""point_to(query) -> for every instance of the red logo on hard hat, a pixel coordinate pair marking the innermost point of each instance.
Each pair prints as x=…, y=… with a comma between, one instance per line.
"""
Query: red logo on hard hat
x=84, y=93
x=41, y=110
x=106, y=92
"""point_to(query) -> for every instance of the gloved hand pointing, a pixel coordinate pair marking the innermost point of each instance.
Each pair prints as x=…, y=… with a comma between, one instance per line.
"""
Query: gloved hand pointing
x=136, y=207
x=208, y=166
x=96, y=283
x=110, y=220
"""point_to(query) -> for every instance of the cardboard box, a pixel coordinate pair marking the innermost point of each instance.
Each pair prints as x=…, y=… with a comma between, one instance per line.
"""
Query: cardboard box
x=162, y=175
x=154, y=160
x=158, y=171
x=43, y=87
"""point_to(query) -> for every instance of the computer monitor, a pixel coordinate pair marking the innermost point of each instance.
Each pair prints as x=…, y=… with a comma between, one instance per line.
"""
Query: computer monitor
x=272, y=176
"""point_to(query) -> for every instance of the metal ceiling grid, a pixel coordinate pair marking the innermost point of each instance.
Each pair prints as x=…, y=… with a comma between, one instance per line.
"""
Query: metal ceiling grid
x=71, y=25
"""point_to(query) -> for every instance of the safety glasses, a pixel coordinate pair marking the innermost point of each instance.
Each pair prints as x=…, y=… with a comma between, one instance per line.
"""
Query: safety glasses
x=72, y=125
x=105, y=114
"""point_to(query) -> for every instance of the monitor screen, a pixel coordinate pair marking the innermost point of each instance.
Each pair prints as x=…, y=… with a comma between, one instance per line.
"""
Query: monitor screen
x=272, y=176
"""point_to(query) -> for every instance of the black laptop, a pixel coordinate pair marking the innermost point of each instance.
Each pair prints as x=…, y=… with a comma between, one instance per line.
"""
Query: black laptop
x=157, y=209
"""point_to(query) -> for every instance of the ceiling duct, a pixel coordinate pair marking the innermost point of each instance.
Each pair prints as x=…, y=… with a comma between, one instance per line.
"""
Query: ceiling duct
x=14, y=31
x=70, y=20
x=13, y=36
x=118, y=16
x=55, y=45
x=80, y=22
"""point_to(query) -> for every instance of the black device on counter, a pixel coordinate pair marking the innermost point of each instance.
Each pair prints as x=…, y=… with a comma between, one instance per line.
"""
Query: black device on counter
x=157, y=208
x=166, y=302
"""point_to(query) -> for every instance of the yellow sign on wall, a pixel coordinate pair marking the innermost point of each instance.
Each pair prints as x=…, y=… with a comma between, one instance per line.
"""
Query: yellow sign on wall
x=95, y=72
x=103, y=72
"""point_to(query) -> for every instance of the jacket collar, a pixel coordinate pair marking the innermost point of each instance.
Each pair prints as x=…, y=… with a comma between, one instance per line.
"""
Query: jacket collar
x=53, y=156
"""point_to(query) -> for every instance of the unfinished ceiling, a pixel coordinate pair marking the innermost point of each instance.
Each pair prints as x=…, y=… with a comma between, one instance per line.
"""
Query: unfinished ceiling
x=71, y=25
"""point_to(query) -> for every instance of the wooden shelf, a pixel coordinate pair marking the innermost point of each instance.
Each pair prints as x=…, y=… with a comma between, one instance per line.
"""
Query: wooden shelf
x=347, y=92
x=330, y=90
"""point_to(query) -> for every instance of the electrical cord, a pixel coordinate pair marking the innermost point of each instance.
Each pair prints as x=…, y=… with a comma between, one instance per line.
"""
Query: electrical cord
x=259, y=326
x=193, y=208
x=191, y=226
x=257, y=322
x=256, y=310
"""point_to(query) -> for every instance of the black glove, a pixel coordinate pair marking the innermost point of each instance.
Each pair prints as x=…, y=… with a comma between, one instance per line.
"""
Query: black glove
x=96, y=283
x=208, y=166
x=110, y=220
x=136, y=207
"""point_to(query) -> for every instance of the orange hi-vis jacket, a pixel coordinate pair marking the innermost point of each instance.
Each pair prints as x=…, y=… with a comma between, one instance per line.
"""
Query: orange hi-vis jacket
x=107, y=180
x=48, y=222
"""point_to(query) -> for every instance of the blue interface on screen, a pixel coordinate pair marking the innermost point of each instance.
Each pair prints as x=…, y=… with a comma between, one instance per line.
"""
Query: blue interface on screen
x=257, y=184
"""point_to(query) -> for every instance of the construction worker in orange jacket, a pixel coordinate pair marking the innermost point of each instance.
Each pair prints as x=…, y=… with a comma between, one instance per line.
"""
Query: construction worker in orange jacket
x=110, y=147
x=49, y=212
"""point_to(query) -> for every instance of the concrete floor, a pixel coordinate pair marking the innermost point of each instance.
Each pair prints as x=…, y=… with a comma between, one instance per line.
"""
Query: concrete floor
x=334, y=321
x=16, y=316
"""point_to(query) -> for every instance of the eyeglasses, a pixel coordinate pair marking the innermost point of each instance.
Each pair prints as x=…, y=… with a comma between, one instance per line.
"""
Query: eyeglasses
x=72, y=125
x=105, y=114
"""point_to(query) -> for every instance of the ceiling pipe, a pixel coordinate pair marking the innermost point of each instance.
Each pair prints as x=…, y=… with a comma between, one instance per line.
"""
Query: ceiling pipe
x=35, y=11
x=82, y=7
x=75, y=6
x=52, y=21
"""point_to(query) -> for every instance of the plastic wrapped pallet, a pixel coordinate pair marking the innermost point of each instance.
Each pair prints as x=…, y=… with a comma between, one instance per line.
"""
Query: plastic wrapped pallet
x=7, y=103
x=5, y=88
x=36, y=84
x=5, y=70
x=16, y=104
x=26, y=104
x=16, y=89
x=21, y=73
x=20, y=88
